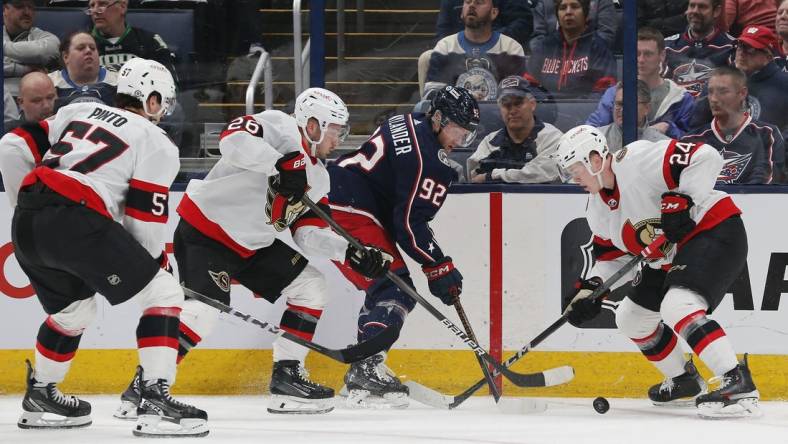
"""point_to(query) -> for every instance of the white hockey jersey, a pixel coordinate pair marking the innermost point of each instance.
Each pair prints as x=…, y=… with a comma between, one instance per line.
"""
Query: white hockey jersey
x=229, y=204
x=113, y=161
x=626, y=219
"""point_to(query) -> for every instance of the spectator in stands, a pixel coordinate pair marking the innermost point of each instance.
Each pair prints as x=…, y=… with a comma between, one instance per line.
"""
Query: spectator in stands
x=671, y=105
x=754, y=151
x=514, y=19
x=520, y=151
x=36, y=99
x=614, y=132
x=82, y=79
x=692, y=55
x=740, y=13
x=573, y=61
x=117, y=42
x=600, y=14
x=10, y=111
x=25, y=47
x=477, y=57
x=767, y=84
x=665, y=15
x=781, y=25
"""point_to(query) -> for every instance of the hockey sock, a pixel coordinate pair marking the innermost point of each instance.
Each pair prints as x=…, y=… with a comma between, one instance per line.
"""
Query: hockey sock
x=187, y=339
x=709, y=341
x=55, y=348
x=157, y=342
x=660, y=347
x=300, y=321
x=197, y=322
x=381, y=316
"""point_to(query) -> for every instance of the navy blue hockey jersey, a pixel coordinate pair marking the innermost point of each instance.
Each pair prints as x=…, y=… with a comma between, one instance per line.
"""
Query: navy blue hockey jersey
x=689, y=61
x=400, y=177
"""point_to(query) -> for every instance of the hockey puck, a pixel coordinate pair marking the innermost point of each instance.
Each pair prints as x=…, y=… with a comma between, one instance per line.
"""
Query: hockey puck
x=601, y=405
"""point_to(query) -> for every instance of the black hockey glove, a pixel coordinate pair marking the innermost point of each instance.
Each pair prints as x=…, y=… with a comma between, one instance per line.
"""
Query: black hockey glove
x=444, y=280
x=676, y=220
x=371, y=262
x=291, y=182
x=164, y=262
x=582, y=308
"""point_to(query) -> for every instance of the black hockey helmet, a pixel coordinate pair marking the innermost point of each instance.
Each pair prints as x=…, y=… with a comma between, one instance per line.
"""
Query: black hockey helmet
x=456, y=105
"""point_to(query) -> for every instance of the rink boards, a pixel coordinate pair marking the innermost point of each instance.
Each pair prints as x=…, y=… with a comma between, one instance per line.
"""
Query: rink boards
x=518, y=250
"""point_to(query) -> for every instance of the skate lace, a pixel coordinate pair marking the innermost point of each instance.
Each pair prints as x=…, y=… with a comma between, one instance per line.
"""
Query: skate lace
x=667, y=385
x=383, y=372
x=723, y=381
x=303, y=374
x=60, y=398
x=165, y=391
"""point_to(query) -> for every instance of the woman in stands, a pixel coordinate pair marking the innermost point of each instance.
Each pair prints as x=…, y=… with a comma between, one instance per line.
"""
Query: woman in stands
x=82, y=79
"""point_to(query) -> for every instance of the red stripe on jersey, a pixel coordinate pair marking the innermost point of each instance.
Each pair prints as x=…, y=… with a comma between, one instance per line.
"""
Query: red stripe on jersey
x=311, y=311
x=192, y=214
x=668, y=348
x=708, y=339
x=30, y=142
x=55, y=356
x=604, y=250
x=189, y=333
x=245, y=124
x=157, y=341
x=163, y=311
x=58, y=328
x=300, y=334
x=145, y=216
x=67, y=187
x=308, y=222
x=687, y=319
x=148, y=186
x=678, y=156
x=723, y=209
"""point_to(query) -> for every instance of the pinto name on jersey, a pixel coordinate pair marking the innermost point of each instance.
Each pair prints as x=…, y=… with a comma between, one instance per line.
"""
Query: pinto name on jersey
x=105, y=115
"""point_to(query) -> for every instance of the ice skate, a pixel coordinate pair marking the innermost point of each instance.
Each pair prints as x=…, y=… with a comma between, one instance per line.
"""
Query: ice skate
x=736, y=397
x=293, y=392
x=370, y=384
x=680, y=391
x=46, y=407
x=159, y=415
x=129, y=399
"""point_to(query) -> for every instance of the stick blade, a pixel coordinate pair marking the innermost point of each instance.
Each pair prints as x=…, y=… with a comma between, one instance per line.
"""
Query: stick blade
x=428, y=396
x=374, y=345
x=558, y=375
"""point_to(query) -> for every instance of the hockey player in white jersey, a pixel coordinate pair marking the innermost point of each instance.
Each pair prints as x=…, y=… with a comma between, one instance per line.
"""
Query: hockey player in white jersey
x=229, y=226
x=90, y=187
x=653, y=188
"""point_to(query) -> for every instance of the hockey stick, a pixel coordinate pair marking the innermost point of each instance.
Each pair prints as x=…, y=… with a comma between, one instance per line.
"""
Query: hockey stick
x=518, y=379
x=363, y=350
x=485, y=370
x=632, y=263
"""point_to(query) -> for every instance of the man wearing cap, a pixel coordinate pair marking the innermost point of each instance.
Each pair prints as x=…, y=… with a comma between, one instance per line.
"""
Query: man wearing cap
x=520, y=151
x=766, y=82
x=25, y=47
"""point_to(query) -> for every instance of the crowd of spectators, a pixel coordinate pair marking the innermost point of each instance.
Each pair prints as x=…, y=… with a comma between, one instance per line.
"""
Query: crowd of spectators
x=539, y=65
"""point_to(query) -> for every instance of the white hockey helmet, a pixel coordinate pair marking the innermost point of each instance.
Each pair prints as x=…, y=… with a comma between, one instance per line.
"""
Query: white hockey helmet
x=325, y=107
x=576, y=145
x=139, y=78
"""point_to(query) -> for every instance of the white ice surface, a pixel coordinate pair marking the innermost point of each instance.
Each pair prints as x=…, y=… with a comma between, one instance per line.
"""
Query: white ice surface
x=244, y=419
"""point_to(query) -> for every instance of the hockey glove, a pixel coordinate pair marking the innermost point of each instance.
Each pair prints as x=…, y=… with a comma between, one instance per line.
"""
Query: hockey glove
x=164, y=262
x=582, y=308
x=444, y=280
x=371, y=262
x=291, y=182
x=676, y=220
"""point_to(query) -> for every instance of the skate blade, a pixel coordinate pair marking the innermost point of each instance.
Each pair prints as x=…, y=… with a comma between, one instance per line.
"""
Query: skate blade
x=293, y=405
x=363, y=399
x=127, y=411
x=154, y=426
x=743, y=408
x=46, y=420
x=683, y=403
x=521, y=406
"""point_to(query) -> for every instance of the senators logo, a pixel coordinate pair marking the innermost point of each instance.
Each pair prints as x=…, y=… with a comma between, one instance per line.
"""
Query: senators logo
x=636, y=237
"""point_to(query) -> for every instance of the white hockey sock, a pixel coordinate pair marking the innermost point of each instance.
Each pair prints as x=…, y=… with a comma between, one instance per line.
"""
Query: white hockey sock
x=286, y=350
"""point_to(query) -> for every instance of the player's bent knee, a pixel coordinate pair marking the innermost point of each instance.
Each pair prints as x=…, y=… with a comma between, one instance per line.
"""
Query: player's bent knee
x=309, y=289
x=77, y=316
x=635, y=321
x=198, y=317
x=162, y=291
x=679, y=303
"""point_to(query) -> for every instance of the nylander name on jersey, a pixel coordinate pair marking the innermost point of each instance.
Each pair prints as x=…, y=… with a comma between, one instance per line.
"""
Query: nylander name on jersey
x=400, y=178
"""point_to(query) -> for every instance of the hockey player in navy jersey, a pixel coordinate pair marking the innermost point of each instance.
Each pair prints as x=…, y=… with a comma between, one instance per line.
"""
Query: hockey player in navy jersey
x=90, y=186
x=648, y=189
x=385, y=194
x=228, y=231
